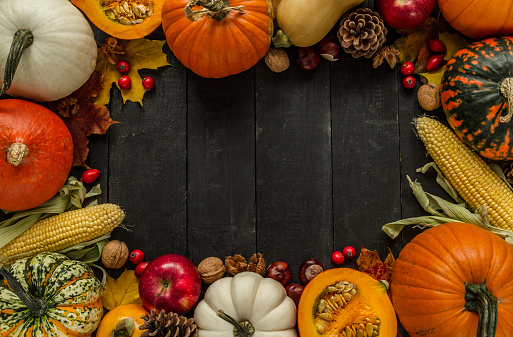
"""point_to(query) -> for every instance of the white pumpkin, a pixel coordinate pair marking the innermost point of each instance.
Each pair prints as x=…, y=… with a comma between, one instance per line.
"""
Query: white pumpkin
x=247, y=296
x=62, y=55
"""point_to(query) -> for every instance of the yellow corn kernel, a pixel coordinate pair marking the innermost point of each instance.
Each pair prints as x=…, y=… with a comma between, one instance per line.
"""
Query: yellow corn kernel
x=467, y=172
x=63, y=231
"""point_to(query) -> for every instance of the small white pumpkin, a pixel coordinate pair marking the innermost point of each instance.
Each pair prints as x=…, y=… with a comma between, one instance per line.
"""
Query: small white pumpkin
x=61, y=56
x=250, y=302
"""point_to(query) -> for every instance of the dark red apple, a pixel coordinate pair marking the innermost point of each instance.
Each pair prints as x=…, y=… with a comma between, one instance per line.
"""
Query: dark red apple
x=404, y=13
x=170, y=282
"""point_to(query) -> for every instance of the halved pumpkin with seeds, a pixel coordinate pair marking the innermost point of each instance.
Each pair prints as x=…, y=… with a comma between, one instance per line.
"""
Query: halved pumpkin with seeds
x=123, y=19
x=345, y=302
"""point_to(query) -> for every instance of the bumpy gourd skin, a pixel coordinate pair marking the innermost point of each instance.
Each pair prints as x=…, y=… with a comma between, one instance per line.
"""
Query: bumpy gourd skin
x=45, y=168
x=70, y=290
x=472, y=99
x=62, y=55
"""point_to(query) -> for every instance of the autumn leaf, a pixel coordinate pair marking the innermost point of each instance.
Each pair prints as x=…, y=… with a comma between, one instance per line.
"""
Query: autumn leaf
x=453, y=43
x=414, y=40
x=370, y=263
x=82, y=117
x=141, y=54
x=123, y=290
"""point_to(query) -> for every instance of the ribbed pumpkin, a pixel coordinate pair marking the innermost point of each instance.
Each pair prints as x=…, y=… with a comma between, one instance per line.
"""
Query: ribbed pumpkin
x=479, y=19
x=476, y=87
x=36, y=154
x=452, y=278
x=224, y=42
x=49, y=295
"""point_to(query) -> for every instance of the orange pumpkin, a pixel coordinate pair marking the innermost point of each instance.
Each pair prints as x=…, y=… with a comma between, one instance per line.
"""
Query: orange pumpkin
x=36, y=152
x=340, y=300
x=452, y=278
x=223, y=42
x=124, y=19
x=116, y=315
x=479, y=19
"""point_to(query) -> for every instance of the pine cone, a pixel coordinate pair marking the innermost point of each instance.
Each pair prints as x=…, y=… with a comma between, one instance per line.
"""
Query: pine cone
x=167, y=325
x=362, y=33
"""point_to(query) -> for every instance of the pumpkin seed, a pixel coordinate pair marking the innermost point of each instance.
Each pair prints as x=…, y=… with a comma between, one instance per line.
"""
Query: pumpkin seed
x=369, y=329
x=326, y=316
x=348, y=331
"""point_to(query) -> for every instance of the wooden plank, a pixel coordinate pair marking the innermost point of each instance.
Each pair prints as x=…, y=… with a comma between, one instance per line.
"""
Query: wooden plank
x=294, y=220
x=147, y=164
x=366, y=192
x=221, y=166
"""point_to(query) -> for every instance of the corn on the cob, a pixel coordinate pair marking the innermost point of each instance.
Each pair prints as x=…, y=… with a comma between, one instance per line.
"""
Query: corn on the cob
x=63, y=231
x=467, y=172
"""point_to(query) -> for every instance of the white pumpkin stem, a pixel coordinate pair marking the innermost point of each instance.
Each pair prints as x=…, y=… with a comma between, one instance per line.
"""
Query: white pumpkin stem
x=23, y=38
x=507, y=90
x=241, y=329
x=16, y=152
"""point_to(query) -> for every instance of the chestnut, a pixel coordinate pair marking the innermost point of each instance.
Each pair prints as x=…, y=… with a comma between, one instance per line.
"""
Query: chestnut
x=329, y=48
x=280, y=271
x=294, y=291
x=309, y=269
x=307, y=58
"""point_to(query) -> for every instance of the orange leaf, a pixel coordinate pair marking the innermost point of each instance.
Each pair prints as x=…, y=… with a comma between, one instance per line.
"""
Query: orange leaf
x=82, y=117
x=370, y=263
x=414, y=40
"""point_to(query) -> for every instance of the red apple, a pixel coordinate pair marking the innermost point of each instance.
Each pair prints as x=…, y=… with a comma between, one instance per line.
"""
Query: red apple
x=170, y=282
x=405, y=13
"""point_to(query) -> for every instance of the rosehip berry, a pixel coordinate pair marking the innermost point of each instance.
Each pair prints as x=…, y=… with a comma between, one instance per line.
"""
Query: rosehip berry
x=407, y=68
x=123, y=67
x=148, y=83
x=337, y=257
x=125, y=83
x=137, y=256
x=349, y=252
x=436, y=46
x=140, y=268
x=90, y=176
x=409, y=82
x=435, y=62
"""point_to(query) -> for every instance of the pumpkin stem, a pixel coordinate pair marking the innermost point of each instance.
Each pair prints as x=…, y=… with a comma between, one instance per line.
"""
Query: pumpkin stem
x=16, y=152
x=481, y=300
x=217, y=9
x=281, y=40
x=507, y=91
x=36, y=305
x=241, y=329
x=23, y=38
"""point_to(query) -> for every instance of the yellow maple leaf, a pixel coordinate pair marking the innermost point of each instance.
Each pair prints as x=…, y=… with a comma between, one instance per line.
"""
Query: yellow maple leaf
x=141, y=54
x=453, y=42
x=121, y=291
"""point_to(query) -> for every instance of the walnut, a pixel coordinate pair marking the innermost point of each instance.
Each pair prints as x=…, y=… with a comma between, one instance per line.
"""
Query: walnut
x=277, y=60
x=211, y=269
x=429, y=96
x=115, y=254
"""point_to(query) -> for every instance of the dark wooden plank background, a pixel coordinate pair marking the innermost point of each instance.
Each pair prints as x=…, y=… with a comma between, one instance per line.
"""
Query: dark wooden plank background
x=292, y=165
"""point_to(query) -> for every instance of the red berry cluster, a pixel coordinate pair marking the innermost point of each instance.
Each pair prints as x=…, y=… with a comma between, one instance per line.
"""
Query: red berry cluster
x=434, y=63
x=339, y=257
x=125, y=82
x=137, y=258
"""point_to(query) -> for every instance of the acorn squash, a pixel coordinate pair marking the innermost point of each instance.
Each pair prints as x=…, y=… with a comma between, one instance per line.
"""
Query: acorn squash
x=343, y=300
x=124, y=19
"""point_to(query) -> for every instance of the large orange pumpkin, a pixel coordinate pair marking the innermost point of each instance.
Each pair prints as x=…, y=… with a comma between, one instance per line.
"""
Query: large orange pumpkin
x=36, y=153
x=479, y=19
x=223, y=42
x=452, y=278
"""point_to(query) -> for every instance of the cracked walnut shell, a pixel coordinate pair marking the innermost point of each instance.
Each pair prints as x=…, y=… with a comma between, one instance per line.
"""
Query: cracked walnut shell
x=211, y=269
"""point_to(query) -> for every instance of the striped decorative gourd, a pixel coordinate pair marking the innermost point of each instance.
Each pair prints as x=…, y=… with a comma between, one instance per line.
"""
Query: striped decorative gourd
x=62, y=297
